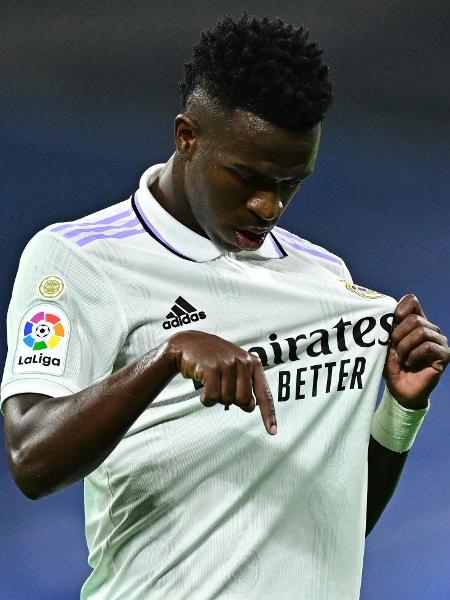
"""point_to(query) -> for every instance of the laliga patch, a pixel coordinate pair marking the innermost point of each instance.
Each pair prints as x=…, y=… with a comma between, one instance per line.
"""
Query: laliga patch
x=359, y=290
x=43, y=341
x=51, y=287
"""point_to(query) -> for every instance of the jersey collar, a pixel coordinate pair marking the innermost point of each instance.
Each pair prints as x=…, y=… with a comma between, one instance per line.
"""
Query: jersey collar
x=178, y=238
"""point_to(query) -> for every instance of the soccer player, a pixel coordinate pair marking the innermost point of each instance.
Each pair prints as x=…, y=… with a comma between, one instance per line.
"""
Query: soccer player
x=213, y=377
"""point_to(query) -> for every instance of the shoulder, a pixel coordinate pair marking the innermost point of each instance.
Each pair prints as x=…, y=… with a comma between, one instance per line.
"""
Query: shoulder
x=59, y=261
x=311, y=252
x=71, y=242
x=114, y=222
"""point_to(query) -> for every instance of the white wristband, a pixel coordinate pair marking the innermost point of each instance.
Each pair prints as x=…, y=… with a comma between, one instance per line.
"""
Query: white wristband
x=394, y=426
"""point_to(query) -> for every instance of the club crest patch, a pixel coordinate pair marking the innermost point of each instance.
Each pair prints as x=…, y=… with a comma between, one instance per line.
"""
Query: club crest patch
x=359, y=290
x=42, y=341
x=51, y=287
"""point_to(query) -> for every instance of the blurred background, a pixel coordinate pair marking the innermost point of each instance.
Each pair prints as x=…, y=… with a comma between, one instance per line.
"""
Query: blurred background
x=87, y=103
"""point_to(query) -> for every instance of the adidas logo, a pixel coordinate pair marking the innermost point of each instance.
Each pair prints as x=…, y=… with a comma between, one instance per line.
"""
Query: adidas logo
x=182, y=313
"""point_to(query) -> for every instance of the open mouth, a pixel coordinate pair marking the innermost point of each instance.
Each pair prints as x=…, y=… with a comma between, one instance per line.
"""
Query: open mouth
x=248, y=240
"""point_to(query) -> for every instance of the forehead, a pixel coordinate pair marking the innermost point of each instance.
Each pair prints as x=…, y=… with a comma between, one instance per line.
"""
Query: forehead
x=247, y=137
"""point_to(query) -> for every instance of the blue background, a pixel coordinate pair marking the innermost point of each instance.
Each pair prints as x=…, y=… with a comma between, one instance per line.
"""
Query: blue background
x=88, y=103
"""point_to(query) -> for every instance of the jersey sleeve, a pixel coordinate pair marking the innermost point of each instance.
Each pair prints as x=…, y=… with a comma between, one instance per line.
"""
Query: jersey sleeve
x=65, y=325
x=345, y=272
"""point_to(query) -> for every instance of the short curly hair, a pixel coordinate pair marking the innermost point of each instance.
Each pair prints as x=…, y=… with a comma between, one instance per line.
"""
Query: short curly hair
x=264, y=66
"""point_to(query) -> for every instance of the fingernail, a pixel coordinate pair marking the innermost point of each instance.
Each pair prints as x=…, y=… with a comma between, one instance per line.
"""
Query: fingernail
x=273, y=429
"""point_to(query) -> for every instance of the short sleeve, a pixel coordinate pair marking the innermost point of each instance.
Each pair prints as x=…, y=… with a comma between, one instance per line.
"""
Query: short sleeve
x=65, y=325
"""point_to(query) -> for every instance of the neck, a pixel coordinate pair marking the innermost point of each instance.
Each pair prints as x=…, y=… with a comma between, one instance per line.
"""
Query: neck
x=168, y=190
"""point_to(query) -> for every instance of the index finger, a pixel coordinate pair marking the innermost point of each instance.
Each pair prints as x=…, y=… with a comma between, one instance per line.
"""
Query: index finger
x=264, y=398
x=408, y=304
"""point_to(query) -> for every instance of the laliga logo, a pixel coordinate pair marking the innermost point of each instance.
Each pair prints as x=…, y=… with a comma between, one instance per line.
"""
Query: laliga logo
x=43, y=331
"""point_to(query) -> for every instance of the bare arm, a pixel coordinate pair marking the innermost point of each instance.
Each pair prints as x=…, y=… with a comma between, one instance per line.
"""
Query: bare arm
x=53, y=442
x=384, y=470
x=416, y=358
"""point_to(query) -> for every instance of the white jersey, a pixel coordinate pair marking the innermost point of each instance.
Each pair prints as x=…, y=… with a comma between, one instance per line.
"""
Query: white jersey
x=201, y=502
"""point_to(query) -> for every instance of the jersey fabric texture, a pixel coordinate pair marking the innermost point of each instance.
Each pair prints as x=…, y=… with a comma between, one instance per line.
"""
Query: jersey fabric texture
x=201, y=502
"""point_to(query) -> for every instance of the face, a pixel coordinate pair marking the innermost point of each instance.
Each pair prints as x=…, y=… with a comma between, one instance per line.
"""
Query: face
x=240, y=173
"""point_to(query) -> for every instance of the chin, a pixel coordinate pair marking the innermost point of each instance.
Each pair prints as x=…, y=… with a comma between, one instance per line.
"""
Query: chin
x=227, y=246
x=222, y=243
x=231, y=247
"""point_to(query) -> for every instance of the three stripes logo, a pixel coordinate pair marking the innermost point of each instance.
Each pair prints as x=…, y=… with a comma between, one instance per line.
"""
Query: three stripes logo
x=182, y=313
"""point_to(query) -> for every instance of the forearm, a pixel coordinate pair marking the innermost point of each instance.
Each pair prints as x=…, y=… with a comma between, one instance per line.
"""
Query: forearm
x=384, y=470
x=68, y=437
x=395, y=426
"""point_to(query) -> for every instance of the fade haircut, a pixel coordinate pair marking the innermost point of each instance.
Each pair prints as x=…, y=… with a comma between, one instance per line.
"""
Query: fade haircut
x=263, y=66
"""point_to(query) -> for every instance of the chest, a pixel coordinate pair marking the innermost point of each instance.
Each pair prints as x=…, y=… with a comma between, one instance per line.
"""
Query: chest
x=284, y=310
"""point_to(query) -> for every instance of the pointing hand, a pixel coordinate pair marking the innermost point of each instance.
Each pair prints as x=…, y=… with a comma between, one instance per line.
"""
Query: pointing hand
x=230, y=374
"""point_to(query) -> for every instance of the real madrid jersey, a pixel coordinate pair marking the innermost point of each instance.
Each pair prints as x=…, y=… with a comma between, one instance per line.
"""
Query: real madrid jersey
x=201, y=502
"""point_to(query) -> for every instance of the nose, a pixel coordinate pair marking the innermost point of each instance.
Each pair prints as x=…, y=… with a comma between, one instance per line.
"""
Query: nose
x=267, y=205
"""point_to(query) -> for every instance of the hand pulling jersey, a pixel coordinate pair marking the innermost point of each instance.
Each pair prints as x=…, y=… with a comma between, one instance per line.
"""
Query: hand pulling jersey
x=201, y=502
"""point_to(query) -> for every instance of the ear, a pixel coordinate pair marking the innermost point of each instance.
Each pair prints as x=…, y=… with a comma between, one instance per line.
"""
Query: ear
x=186, y=131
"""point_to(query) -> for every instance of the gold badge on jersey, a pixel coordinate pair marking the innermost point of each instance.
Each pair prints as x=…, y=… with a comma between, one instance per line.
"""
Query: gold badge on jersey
x=359, y=290
x=51, y=287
